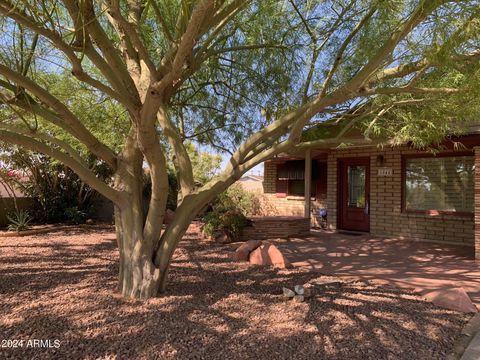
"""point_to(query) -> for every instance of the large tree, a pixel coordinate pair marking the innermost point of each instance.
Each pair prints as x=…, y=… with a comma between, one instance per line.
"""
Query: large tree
x=246, y=77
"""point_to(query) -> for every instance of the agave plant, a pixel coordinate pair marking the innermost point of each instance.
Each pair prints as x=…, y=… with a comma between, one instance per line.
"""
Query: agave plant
x=19, y=221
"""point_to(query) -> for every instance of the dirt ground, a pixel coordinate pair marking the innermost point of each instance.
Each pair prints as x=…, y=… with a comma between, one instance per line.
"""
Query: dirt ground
x=62, y=286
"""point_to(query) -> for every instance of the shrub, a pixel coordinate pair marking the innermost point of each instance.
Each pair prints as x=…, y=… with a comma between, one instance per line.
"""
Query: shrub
x=229, y=212
x=230, y=221
x=19, y=221
x=246, y=202
x=58, y=193
x=75, y=215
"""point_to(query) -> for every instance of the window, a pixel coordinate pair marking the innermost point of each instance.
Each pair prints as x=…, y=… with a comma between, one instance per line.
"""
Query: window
x=297, y=187
x=356, y=185
x=291, y=178
x=443, y=184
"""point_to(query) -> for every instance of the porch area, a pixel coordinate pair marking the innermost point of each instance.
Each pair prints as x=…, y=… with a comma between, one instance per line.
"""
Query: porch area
x=424, y=267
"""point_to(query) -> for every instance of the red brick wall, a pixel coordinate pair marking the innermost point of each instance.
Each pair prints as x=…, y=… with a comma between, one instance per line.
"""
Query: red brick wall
x=386, y=216
x=275, y=227
x=477, y=203
x=290, y=205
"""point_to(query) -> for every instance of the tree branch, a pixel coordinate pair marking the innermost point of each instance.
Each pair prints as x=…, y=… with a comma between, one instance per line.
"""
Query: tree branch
x=9, y=10
x=42, y=136
x=341, y=51
x=84, y=173
x=76, y=128
x=182, y=161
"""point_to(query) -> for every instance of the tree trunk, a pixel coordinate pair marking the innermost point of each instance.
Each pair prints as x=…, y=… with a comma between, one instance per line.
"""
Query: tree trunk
x=145, y=256
x=184, y=215
x=138, y=276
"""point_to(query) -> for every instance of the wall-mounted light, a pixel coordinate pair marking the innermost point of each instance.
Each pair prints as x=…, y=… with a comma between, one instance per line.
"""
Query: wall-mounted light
x=380, y=160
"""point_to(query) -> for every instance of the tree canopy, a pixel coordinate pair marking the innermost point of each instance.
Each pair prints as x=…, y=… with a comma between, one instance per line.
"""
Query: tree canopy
x=135, y=82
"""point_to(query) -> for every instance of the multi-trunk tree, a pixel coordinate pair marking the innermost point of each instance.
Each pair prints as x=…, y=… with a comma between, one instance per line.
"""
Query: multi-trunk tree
x=245, y=77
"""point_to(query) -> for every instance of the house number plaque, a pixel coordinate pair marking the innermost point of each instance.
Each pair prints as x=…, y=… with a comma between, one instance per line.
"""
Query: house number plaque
x=385, y=171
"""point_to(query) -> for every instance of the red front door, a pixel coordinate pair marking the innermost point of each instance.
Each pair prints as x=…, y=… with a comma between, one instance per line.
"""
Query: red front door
x=353, y=194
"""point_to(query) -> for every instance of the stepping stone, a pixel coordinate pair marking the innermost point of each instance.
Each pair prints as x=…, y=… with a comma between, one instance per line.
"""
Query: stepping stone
x=288, y=293
x=299, y=298
x=299, y=289
x=454, y=298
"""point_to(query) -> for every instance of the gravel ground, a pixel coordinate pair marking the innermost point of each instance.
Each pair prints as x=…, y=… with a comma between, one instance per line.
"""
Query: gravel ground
x=61, y=286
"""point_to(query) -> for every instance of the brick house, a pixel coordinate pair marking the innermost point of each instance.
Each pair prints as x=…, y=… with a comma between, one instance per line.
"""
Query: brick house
x=393, y=191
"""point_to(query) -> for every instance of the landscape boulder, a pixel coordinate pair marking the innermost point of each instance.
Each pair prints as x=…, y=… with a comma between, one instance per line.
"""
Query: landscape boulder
x=269, y=254
x=299, y=289
x=453, y=298
x=242, y=253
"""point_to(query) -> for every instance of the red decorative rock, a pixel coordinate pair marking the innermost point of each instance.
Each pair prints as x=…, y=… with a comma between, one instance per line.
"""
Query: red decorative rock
x=243, y=251
x=454, y=298
x=268, y=254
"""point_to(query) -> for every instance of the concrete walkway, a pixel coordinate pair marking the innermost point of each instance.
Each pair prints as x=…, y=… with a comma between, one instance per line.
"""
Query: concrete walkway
x=425, y=267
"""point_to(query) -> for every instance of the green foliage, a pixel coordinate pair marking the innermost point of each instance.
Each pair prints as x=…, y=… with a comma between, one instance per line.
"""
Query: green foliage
x=227, y=219
x=204, y=164
x=425, y=120
x=105, y=118
x=246, y=202
x=230, y=210
x=19, y=220
x=75, y=216
x=58, y=193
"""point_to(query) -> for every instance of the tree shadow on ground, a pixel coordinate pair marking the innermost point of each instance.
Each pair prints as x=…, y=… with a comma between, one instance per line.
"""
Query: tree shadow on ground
x=398, y=262
x=213, y=309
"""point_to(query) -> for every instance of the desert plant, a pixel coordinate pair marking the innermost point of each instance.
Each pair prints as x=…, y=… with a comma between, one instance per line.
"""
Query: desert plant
x=228, y=213
x=19, y=220
x=75, y=215
x=230, y=221
x=246, y=202
x=55, y=189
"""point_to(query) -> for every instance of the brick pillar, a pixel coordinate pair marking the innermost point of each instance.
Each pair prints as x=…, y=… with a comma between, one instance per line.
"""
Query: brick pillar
x=332, y=191
x=477, y=203
x=308, y=183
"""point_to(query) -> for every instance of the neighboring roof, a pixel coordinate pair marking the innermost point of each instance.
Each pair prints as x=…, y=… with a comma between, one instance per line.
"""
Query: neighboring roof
x=10, y=191
x=7, y=192
x=251, y=178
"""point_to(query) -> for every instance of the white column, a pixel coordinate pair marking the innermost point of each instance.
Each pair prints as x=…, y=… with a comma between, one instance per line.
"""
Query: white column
x=308, y=181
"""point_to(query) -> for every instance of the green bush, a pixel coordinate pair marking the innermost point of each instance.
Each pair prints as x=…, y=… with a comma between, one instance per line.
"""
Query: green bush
x=19, y=221
x=229, y=212
x=75, y=215
x=58, y=193
x=246, y=202
x=230, y=221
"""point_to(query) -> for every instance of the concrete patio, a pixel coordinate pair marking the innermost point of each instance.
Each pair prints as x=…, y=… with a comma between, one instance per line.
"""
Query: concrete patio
x=425, y=267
